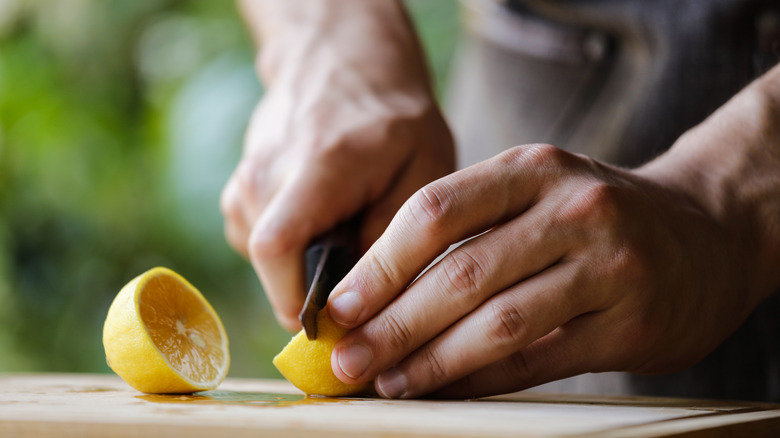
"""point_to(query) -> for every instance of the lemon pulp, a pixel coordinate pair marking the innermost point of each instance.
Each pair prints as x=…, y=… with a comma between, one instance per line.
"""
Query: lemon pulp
x=162, y=336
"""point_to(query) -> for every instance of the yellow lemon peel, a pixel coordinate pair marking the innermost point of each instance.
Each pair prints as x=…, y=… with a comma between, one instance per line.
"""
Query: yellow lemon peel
x=306, y=364
x=162, y=336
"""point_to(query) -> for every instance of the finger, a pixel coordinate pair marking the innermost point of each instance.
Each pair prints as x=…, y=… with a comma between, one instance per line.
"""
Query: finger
x=305, y=206
x=459, y=283
x=567, y=351
x=379, y=214
x=253, y=186
x=283, y=281
x=500, y=327
x=236, y=228
x=238, y=238
x=444, y=212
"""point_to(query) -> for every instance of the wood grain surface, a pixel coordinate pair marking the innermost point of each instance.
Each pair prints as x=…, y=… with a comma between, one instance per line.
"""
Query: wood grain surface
x=103, y=406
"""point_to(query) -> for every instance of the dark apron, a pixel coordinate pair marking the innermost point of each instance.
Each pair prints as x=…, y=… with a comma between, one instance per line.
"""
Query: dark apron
x=620, y=80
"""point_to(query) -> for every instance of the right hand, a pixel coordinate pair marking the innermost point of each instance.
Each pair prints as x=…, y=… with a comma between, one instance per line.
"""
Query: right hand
x=326, y=143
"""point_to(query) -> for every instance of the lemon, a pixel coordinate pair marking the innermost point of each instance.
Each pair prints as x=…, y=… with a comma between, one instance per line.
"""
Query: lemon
x=162, y=336
x=306, y=364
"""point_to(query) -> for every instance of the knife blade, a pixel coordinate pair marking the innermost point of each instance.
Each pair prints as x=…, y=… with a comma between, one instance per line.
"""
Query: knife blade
x=328, y=258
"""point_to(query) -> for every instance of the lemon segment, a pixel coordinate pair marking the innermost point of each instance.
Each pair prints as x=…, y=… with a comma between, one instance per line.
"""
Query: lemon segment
x=162, y=336
x=306, y=364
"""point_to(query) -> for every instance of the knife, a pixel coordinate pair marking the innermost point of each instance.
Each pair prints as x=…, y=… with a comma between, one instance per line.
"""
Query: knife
x=329, y=257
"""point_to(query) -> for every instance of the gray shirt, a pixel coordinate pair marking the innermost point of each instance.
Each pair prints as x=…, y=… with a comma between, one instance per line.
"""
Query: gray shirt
x=620, y=81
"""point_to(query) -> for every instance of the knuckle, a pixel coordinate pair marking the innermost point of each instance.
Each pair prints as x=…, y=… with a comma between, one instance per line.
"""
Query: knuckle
x=269, y=244
x=630, y=264
x=434, y=366
x=542, y=230
x=235, y=239
x=385, y=270
x=323, y=150
x=431, y=206
x=331, y=150
x=598, y=203
x=229, y=202
x=397, y=335
x=507, y=326
x=464, y=272
x=602, y=195
x=535, y=156
x=545, y=154
x=228, y=205
x=246, y=173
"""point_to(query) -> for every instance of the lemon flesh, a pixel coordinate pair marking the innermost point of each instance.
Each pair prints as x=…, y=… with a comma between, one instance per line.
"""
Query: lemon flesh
x=306, y=364
x=162, y=336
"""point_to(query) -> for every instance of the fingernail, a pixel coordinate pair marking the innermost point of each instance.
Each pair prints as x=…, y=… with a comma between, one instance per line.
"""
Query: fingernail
x=345, y=308
x=354, y=360
x=392, y=383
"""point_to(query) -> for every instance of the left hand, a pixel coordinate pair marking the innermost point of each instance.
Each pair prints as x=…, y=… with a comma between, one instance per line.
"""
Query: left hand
x=577, y=267
x=349, y=124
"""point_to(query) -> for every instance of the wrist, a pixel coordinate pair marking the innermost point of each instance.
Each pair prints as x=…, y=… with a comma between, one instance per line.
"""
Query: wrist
x=374, y=38
x=729, y=166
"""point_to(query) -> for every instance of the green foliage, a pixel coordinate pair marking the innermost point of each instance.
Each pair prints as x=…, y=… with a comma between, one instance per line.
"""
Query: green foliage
x=119, y=123
x=436, y=22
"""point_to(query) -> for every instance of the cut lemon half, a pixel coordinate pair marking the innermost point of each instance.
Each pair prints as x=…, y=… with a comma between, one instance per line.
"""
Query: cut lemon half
x=162, y=336
x=306, y=364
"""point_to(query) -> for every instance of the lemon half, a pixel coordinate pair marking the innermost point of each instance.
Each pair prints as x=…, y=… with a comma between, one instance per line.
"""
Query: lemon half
x=306, y=364
x=162, y=336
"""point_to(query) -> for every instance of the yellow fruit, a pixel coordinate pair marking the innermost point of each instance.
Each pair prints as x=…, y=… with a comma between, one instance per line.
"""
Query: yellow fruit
x=162, y=336
x=306, y=364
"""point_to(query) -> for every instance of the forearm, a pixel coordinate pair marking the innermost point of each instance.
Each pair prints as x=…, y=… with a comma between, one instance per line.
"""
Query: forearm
x=372, y=37
x=731, y=164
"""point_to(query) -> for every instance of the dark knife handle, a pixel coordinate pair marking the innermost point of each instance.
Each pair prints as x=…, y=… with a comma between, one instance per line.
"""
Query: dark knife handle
x=343, y=244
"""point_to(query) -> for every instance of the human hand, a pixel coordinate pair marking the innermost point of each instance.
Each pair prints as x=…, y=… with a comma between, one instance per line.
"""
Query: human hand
x=577, y=267
x=322, y=145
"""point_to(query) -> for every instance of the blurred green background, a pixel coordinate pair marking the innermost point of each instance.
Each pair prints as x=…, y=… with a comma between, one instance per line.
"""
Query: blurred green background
x=119, y=123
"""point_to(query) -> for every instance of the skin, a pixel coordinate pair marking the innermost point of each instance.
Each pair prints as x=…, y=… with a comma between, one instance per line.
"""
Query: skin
x=327, y=142
x=577, y=266
x=581, y=267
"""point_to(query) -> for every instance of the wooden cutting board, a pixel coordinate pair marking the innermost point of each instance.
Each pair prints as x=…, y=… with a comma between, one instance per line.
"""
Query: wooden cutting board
x=104, y=406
